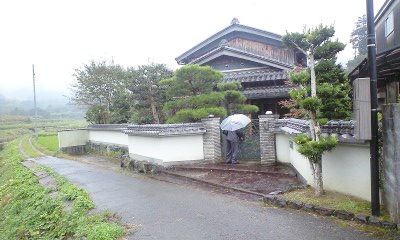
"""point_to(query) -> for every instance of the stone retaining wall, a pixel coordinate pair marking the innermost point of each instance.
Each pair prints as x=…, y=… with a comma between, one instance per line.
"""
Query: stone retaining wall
x=391, y=153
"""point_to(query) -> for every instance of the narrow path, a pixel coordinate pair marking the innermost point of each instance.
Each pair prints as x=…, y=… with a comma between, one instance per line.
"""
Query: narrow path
x=37, y=150
x=22, y=150
x=169, y=211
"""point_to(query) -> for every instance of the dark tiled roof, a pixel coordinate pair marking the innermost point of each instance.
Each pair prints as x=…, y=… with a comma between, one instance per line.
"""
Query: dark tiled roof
x=254, y=76
x=166, y=129
x=108, y=127
x=268, y=91
x=224, y=32
x=344, y=129
x=232, y=50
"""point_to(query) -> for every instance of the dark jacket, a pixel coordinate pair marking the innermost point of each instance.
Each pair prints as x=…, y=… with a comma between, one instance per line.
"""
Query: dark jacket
x=235, y=136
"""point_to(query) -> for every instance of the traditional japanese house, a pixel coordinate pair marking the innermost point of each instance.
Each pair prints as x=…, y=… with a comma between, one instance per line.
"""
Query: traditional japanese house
x=387, y=33
x=256, y=58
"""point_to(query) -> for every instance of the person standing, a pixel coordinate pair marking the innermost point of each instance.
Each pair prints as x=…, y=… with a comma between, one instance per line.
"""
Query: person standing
x=232, y=149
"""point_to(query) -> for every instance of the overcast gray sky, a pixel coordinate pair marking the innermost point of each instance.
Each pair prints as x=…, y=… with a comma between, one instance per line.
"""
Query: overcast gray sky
x=58, y=36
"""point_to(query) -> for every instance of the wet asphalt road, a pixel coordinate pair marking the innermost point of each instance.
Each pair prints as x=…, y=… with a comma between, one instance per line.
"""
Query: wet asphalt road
x=169, y=211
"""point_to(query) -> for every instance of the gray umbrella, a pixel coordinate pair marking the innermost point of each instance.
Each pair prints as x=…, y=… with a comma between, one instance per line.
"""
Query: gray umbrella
x=235, y=122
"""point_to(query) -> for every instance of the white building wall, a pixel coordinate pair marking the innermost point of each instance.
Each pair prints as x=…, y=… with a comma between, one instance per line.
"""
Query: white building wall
x=70, y=138
x=109, y=137
x=301, y=164
x=345, y=169
x=282, y=148
x=166, y=149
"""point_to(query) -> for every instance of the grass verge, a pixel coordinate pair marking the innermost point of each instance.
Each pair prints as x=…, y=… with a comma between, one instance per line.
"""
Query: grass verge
x=339, y=201
x=47, y=144
x=28, y=211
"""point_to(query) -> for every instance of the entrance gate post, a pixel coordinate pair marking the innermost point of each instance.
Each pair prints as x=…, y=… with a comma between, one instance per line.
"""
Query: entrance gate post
x=267, y=137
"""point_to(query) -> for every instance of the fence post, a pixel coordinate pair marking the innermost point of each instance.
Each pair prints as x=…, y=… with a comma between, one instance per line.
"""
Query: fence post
x=212, y=139
x=267, y=138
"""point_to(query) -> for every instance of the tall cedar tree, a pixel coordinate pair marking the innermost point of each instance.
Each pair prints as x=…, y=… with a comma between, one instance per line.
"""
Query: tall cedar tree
x=358, y=40
x=317, y=45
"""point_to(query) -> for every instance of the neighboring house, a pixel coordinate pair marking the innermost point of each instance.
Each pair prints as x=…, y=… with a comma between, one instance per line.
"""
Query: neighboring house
x=387, y=34
x=254, y=57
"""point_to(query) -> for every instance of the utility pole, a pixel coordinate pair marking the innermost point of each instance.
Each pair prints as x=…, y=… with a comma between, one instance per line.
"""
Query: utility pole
x=34, y=100
x=375, y=205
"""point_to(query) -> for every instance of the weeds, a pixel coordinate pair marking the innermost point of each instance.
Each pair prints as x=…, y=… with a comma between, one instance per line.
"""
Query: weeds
x=28, y=212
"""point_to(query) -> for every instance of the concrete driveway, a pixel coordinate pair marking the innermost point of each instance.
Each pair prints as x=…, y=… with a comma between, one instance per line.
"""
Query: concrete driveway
x=169, y=211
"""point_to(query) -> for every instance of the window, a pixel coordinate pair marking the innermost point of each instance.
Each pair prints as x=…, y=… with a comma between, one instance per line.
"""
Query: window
x=389, y=24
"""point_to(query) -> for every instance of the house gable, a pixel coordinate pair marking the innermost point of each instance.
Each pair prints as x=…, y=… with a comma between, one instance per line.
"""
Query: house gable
x=247, y=43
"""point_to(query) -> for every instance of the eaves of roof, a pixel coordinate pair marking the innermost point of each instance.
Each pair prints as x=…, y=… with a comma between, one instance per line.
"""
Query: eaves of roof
x=225, y=31
x=162, y=130
x=268, y=91
x=383, y=9
x=233, y=52
x=254, y=76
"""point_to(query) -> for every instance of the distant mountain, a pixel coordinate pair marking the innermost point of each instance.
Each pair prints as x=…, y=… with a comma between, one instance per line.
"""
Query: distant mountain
x=42, y=95
x=50, y=103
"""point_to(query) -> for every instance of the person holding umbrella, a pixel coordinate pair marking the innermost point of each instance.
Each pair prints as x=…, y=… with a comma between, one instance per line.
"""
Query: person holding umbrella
x=232, y=128
x=232, y=149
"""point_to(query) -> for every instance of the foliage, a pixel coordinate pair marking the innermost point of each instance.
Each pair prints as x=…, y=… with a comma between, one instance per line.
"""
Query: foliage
x=358, y=40
x=192, y=80
x=195, y=115
x=314, y=149
x=195, y=92
x=121, y=109
x=358, y=37
x=315, y=96
x=234, y=101
x=28, y=212
x=190, y=93
x=293, y=106
x=147, y=94
x=336, y=101
x=96, y=114
x=96, y=85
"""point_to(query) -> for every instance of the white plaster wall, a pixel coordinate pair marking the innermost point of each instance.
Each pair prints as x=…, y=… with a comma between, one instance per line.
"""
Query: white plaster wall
x=110, y=137
x=70, y=138
x=346, y=169
x=282, y=148
x=301, y=164
x=167, y=149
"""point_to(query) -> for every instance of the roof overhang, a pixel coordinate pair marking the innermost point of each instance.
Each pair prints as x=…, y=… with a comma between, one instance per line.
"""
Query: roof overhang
x=268, y=92
x=222, y=33
x=387, y=64
x=233, y=52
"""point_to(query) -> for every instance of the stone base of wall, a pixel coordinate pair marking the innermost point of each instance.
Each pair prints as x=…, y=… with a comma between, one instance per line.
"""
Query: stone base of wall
x=75, y=150
x=140, y=166
x=103, y=148
x=96, y=147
